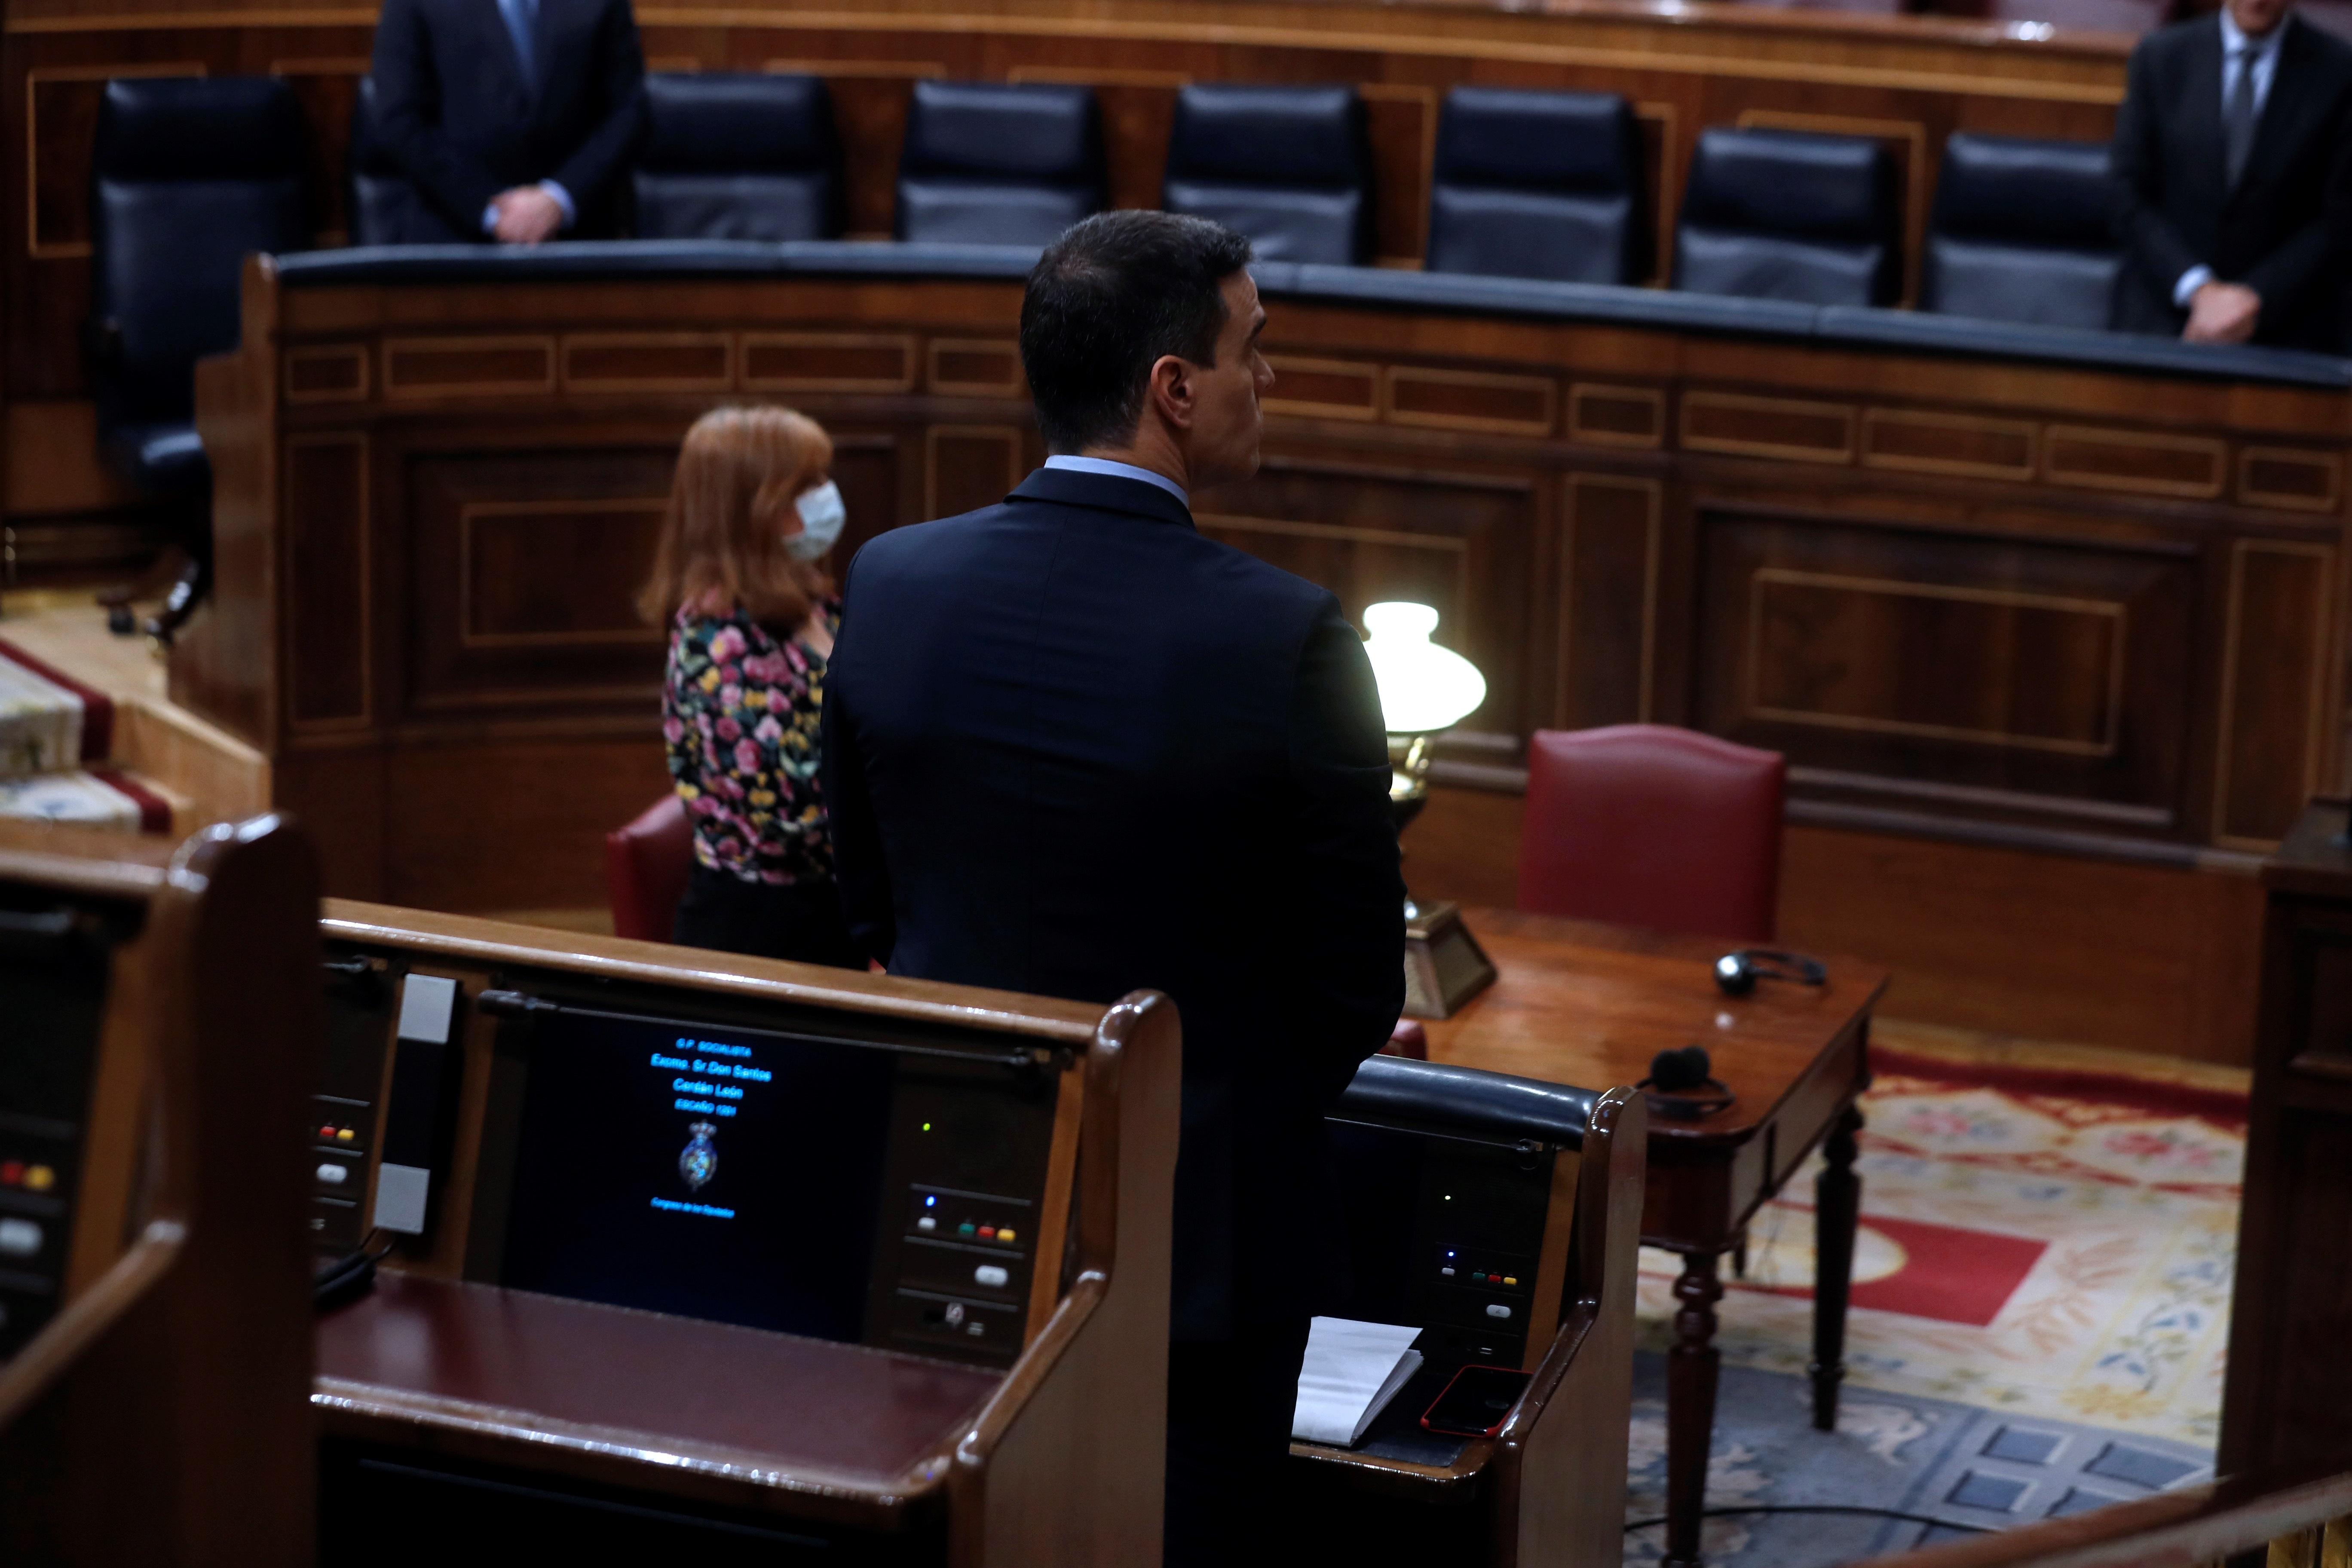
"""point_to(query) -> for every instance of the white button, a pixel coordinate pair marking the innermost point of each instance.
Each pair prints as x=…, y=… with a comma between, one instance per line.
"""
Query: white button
x=333, y=1174
x=1447, y=1272
x=19, y=1237
x=1496, y=1310
x=990, y=1275
x=927, y=1223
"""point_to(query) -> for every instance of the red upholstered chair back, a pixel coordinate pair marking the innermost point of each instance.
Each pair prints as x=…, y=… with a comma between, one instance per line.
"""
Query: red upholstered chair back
x=646, y=865
x=1650, y=826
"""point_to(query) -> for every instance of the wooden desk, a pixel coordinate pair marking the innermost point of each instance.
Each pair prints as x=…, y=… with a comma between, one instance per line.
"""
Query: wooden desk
x=1581, y=1003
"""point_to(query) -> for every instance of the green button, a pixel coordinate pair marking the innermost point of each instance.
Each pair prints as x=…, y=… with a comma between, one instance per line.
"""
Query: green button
x=966, y=1228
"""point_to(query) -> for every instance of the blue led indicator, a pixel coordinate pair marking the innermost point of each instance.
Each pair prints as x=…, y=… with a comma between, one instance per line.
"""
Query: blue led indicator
x=930, y=1202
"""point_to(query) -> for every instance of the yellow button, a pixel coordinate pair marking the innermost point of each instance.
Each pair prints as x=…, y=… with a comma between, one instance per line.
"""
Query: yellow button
x=40, y=1179
x=343, y=1135
x=1004, y=1234
x=1510, y=1278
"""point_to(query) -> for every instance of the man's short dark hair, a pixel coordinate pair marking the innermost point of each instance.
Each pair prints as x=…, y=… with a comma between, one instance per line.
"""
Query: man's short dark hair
x=1105, y=302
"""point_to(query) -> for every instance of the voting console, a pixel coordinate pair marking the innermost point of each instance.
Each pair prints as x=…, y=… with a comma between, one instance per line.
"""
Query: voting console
x=1502, y=1217
x=748, y=1259
x=157, y=1020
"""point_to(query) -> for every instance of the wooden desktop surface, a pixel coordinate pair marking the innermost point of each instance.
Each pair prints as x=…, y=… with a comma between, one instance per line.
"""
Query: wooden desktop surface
x=808, y=1415
x=1586, y=1003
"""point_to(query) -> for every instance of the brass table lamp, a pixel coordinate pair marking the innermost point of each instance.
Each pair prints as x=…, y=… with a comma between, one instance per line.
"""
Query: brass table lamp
x=1425, y=688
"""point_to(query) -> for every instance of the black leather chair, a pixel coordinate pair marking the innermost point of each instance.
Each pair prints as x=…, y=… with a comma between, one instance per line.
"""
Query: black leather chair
x=1287, y=166
x=1785, y=214
x=2019, y=232
x=190, y=176
x=749, y=156
x=992, y=165
x=386, y=206
x=1539, y=185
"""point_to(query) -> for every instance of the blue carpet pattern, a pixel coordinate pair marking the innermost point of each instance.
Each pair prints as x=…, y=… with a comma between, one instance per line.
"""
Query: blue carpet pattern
x=1904, y=1452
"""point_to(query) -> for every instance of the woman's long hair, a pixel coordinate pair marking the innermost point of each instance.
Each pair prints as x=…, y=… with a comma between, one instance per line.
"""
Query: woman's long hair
x=722, y=544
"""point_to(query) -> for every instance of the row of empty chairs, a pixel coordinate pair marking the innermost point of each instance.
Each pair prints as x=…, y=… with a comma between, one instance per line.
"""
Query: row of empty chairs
x=1537, y=184
x=193, y=173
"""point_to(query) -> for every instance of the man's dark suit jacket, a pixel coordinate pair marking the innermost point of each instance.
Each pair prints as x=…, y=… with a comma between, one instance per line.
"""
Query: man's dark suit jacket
x=1073, y=748
x=2281, y=231
x=453, y=108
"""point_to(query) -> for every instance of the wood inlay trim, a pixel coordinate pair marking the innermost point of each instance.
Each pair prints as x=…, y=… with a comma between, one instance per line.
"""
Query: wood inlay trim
x=909, y=70
x=1584, y=393
x=1334, y=369
x=2328, y=464
x=1699, y=404
x=316, y=362
x=1543, y=389
x=901, y=345
x=2058, y=439
x=578, y=346
x=328, y=65
x=467, y=637
x=1653, y=494
x=397, y=349
x=942, y=350
x=1874, y=421
x=294, y=604
x=1097, y=76
x=2232, y=629
x=1897, y=587
x=66, y=250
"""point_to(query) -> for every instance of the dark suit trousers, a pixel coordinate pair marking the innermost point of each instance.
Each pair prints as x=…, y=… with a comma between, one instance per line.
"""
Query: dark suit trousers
x=1229, y=1404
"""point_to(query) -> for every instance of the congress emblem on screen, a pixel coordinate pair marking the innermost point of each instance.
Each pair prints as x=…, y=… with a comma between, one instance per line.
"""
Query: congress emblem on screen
x=698, y=1162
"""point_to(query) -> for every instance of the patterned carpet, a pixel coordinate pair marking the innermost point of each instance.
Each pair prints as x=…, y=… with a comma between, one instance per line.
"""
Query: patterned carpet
x=2040, y=1311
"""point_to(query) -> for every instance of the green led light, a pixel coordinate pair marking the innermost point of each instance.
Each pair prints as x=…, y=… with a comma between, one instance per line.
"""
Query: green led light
x=926, y=1127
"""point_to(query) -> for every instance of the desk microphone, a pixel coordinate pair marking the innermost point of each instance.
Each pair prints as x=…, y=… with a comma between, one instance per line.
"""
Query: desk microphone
x=1736, y=972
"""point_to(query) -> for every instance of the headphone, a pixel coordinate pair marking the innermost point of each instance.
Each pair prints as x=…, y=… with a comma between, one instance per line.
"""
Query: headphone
x=1736, y=972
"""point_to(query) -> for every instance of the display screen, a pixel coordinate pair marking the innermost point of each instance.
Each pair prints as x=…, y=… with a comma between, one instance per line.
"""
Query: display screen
x=685, y=1169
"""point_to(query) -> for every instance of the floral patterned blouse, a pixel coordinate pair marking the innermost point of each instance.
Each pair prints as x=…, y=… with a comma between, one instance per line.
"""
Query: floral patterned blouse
x=740, y=715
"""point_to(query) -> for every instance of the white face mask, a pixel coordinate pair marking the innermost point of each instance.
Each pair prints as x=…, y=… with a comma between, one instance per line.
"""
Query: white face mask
x=822, y=516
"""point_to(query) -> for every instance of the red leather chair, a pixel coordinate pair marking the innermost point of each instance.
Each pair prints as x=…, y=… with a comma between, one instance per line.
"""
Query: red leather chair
x=646, y=865
x=1649, y=826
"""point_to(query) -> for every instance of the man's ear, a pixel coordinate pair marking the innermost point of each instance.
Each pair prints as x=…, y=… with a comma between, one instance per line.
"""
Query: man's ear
x=1172, y=391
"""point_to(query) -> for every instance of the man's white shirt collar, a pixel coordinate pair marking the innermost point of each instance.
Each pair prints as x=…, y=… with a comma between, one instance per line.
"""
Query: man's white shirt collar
x=1118, y=470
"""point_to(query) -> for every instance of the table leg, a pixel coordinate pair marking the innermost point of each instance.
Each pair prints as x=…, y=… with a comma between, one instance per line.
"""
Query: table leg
x=1691, y=1368
x=1837, y=1211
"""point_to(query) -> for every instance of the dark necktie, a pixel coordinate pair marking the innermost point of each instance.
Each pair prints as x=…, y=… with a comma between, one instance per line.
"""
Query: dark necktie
x=2238, y=115
x=521, y=16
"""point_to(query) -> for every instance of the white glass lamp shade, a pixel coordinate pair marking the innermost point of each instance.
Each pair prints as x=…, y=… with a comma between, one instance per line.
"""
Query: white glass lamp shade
x=1424, y=687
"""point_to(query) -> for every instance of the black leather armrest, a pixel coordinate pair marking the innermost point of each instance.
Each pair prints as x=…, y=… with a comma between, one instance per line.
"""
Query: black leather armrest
x=1397, y=1091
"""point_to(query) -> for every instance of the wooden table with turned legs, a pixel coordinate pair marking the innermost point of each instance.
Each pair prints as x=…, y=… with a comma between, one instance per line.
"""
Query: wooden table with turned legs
x=1582, y=1003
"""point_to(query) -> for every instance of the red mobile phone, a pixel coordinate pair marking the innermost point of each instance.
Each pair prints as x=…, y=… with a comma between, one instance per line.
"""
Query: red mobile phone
x=1476, y=1403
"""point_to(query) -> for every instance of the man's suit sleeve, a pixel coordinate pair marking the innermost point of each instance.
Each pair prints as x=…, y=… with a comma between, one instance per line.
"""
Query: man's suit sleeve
x=589, y=172
x=2317, y=251
x=405, y=95
x=2155, y=247
x=858, y=867
x=1348, y=938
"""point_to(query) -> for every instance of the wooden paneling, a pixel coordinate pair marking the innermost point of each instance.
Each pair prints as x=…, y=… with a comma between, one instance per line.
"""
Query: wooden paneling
x=328, y=597
x=516, y=824
x=331, y=372
x=2136, y=462
x=1604, y=415
x=476, y=367
x=1750, y=426
x=828, y=362
x=2055, y=673
x=2274, y=681
x=1324, y=388
x=963, y=367
x=1472, y=400
x=1916, y=441
x=526, y=567
x=648, y=362
x=967, y=467
x=2295, y=479
x=1613, y=538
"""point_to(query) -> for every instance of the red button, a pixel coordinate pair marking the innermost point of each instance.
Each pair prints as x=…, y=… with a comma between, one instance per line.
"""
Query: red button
x=13, y=1172
x=988, y=1233
x=326, y=1133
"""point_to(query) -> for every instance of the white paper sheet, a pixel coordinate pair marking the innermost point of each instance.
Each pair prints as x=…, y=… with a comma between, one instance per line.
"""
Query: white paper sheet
x=1352, y=1370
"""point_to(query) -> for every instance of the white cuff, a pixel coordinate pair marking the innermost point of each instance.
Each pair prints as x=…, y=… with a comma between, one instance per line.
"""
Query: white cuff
x=490, y=218
x=2190, y=281
x=563, y=199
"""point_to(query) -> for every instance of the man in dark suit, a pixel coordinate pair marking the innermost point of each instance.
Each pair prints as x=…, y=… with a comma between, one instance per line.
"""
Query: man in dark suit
x=1073, y=747
x=2229, y=169
x=516, y=118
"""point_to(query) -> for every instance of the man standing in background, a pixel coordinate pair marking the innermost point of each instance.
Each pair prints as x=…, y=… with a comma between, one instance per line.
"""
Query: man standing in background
x=2232, y=179
x=516, y=118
